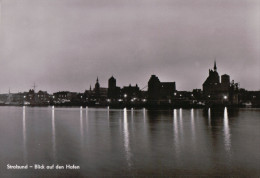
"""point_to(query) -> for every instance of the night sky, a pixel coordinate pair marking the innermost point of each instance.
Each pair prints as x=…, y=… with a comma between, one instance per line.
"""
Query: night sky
x=66, y=44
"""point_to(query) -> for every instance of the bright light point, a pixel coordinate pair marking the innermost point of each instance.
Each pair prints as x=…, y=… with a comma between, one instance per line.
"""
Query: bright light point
x=125, y=95
x=225, y=97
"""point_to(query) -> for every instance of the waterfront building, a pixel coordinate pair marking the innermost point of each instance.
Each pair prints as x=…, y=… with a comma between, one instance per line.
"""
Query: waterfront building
x=249, y=98
x=64, y=96
x=88, y=94
x=154, y=88
x=160, y=92
x=99, y=93
x=167, y=90
x=97, y=89
x=219, y=92
x=113, y=91
x=43, y=96
x=25, y=98
x=131, y=92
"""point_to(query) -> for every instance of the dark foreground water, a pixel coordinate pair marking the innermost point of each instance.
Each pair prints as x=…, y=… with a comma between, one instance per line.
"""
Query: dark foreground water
x=119, y=143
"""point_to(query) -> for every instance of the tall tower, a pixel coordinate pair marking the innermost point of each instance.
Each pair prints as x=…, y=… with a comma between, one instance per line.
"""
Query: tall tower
x=112, y=89
x=112, y=82
x=225, y=82
x=154, y=88
x=97, y=86
x=215, y=66
x=97, y=89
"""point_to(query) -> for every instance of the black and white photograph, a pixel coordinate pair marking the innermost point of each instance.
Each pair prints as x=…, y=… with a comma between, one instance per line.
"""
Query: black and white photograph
x=129, y=88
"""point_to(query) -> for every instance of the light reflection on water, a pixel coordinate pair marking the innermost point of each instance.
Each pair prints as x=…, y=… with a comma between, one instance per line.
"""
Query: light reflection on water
x=53, y=134
x=86, y=118
x=144, y=116
x=81, y=129
x=226, y=130
x=192, y=125
x=176, y=133
x=180, y=121
x=143, y=141
x=126, y=139
x=132, y=117
x=209, y=117
x=24, y=137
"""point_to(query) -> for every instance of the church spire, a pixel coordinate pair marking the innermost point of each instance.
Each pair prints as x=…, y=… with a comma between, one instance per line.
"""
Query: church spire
x=97, y=86
x=215, y=66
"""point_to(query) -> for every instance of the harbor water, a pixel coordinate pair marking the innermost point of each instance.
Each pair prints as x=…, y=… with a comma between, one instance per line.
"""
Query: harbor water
x=107, y=142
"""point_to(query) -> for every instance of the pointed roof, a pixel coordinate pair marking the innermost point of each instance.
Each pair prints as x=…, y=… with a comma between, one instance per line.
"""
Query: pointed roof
x=112, y=77
x=215, y=65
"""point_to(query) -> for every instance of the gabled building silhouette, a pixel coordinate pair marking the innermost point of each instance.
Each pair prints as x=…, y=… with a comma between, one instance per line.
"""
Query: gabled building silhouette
x=160, y=92
x=219, y=92
x=154, y=88
x=212, y=83
x=99, y=93
x=131, y=92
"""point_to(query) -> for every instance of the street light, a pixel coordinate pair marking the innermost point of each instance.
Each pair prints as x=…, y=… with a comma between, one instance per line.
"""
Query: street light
x=225, y=97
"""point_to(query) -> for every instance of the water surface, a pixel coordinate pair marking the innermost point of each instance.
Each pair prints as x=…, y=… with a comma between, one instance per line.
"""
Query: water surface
x=108, y=142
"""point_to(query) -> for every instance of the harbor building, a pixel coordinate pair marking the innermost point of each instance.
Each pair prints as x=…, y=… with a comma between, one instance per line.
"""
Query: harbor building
x=160, y=92
x=219, y=92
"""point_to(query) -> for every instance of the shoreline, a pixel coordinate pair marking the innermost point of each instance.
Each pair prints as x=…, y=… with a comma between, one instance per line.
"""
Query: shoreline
x=148, y=107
